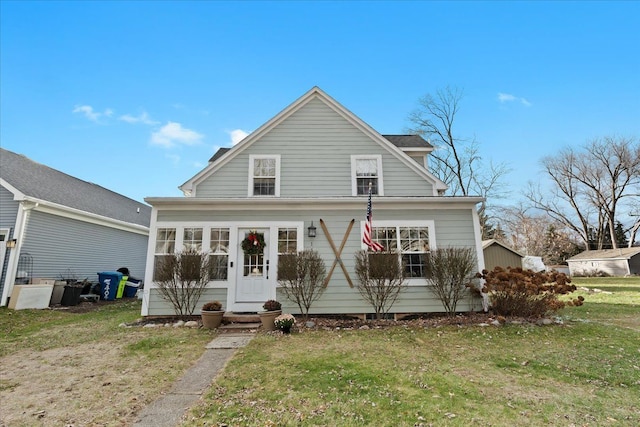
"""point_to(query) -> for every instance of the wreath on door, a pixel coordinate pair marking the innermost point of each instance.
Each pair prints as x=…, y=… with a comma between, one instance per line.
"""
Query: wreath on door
x=253, y=244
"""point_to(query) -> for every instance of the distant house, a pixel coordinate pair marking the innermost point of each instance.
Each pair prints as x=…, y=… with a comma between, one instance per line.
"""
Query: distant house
x=615, y=262
x=310, y=167
x=498, y=254
x=54, y=225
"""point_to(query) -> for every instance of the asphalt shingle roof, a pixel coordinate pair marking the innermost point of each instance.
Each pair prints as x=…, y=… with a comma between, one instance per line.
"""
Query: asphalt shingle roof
x=607, y=254
x=42, y=182
x=407, y=141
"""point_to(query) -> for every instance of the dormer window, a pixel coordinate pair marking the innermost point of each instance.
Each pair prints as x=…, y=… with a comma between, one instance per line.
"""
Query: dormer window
x=365, y=171
x=264, y=175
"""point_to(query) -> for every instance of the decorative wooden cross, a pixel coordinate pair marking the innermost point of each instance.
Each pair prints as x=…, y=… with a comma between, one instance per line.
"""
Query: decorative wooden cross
x=337, y=252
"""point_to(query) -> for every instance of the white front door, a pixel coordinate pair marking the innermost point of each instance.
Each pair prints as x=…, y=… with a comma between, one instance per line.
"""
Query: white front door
x=253, y=279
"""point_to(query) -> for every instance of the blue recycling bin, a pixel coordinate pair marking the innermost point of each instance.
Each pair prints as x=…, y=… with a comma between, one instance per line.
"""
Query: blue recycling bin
x=109, y=282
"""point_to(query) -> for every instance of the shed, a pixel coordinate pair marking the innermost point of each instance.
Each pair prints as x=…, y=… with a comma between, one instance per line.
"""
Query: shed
x=615, y=262
x=498, y=254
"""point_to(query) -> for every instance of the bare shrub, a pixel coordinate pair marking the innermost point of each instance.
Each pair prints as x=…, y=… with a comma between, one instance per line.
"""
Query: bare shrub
x=449, y=271
x=380, y=279
x=301, y=277
x=182, y=278
x=518, y=292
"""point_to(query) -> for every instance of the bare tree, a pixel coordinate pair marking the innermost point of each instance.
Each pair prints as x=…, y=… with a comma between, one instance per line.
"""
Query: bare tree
x=380, y=279
x=301, y=278
x=456, y=161
x=182, y=278
x=533, y=233
x=589, y=186
x=449, y=271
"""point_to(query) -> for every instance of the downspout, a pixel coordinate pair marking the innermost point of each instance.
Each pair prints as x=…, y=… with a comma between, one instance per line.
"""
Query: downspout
x=18, y=234
x=479, y=255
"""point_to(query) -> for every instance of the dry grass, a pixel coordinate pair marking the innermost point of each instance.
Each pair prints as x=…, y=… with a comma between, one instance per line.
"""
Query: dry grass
x=82, y=369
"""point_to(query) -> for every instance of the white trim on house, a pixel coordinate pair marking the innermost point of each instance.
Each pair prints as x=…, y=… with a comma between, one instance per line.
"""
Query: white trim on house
x=24, y=210
x=312, y=203
x=252, y=159
x=77, y=214
x=234, y=227
x=354, y=177
x=188, y=187
x=17, y=194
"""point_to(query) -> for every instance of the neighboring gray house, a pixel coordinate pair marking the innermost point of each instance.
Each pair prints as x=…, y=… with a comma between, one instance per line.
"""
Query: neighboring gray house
x=497, y=254
x=615, y=262
x=52, y=224
x=310, y=166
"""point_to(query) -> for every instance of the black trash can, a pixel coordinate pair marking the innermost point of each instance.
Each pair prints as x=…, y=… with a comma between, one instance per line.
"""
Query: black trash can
x=71, y=295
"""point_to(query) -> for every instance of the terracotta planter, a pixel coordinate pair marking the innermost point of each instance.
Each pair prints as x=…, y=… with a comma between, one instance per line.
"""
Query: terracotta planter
x=212, y=319
x=267, y=318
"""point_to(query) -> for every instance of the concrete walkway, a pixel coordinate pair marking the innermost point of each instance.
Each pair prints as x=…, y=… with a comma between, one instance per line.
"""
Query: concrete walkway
x=168, y=410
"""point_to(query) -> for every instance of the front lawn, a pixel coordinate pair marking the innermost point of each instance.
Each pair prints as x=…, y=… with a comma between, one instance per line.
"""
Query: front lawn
x=585, y=372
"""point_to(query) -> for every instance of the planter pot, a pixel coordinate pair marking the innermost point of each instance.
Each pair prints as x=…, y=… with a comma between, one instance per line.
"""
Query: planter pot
x=267, y=318
x=71, y=295
x=212, y=319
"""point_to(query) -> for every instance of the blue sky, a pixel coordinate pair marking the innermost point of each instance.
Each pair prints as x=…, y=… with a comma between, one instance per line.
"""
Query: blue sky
x=136, y=96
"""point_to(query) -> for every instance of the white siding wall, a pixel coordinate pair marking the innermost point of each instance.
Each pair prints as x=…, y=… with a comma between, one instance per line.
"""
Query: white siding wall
x=614, y=267
x=315, y=144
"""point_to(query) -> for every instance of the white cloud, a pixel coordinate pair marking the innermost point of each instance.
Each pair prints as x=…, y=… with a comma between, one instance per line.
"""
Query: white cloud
x=237, y=135
x=173, y=133
x=89, y=113
x=142, y=118
x=507, y=97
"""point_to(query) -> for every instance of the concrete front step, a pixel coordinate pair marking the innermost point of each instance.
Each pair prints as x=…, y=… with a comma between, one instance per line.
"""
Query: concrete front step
x=231, y=317
x=239, y=327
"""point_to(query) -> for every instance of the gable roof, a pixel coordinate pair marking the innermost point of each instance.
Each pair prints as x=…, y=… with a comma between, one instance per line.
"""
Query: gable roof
x=29, y=180
x=621, y=253
x=314, y=93
x=491, y=242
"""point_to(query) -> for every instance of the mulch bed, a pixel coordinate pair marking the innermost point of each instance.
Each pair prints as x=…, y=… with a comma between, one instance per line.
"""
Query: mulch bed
x=423, y=320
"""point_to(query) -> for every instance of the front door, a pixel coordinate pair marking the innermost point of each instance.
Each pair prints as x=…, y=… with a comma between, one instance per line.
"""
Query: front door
x=253, y=275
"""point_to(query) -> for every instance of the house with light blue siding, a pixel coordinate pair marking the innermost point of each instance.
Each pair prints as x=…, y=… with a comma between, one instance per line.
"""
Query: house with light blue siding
x=310, y=166
x=53, y=225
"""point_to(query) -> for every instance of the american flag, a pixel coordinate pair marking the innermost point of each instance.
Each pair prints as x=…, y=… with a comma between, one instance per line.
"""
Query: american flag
x=366, y=239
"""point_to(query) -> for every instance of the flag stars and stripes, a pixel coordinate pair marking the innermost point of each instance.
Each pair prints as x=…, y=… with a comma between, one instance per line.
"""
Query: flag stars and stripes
x=366, y=239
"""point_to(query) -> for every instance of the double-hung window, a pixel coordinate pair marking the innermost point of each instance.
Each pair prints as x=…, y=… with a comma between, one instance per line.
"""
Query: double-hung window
x=287, y=248
x=219, y=253
x=412, y=240
x=264, y=175
x=165, y=245
x=366, y=171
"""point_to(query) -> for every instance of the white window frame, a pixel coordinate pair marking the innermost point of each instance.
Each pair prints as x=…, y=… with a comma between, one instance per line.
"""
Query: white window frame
x=252, y=159
x=354, y=178
x=428, y=224
x=233, y=231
